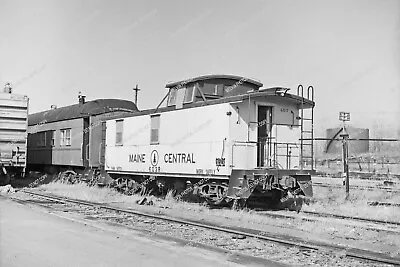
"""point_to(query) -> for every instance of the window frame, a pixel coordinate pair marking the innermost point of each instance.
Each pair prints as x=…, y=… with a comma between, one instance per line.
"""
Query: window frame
x=52, y=138
x=121, y=141
x=65, y=137
x=192, y=89
x=172, y=92
x=41, y=141
x=155, y=142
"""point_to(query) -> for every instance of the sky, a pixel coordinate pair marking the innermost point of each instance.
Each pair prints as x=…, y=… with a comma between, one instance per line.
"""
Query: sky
x=349, y=50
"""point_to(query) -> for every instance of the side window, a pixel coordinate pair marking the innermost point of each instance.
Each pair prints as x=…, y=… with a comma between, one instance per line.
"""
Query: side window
x=155, y=129
x=52, y=138
x=213, y=89
x=41, y=141
x=219, y=89
x=189, y=94
x=62, y=137
x=68, y=137
x=65, y=135
x=119, y=128
x=172, y=97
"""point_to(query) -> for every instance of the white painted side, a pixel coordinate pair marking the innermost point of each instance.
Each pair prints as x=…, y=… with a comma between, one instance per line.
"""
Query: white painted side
x=286, y=134
x=242, y=152
x=244, y=127
x=202, y=134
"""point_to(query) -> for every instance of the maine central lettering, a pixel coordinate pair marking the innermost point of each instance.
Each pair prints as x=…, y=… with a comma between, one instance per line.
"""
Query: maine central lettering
x=168, y=158
x=179, y=158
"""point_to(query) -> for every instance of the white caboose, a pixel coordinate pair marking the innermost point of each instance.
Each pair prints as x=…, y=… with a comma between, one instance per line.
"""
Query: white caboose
x=221, y=132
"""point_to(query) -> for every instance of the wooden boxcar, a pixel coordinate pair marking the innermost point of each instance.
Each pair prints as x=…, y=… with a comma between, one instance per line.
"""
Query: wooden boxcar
x=71, y=137
x=13, y=128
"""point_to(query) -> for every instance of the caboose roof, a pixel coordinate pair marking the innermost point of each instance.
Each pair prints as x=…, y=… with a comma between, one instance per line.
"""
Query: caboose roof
x=270, y=94
x=90, y=108
x=212, y=77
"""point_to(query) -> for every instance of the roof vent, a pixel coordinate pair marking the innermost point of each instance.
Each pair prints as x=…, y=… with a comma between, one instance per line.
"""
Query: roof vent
x=81, y=98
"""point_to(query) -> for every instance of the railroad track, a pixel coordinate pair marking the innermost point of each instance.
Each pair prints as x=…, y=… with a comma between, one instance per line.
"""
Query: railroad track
x=355, y=218
x=388, y=189
x=335, y=216
x=290, y=241
x=378, y=203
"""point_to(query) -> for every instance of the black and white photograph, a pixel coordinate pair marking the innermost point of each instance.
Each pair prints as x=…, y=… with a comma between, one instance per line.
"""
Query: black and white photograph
x=188, y=133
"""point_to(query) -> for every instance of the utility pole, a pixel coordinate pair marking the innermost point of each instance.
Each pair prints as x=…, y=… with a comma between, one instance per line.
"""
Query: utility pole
x=345, y=116
x=136, y=89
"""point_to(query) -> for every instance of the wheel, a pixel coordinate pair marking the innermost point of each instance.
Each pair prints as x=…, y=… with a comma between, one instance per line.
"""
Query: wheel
x=213, y=193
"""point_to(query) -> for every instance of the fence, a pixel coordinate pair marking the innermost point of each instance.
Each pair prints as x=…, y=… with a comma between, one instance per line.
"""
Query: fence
x=380, y=158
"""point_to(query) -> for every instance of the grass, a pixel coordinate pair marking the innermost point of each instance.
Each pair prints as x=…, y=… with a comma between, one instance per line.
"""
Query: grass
x=332, y=200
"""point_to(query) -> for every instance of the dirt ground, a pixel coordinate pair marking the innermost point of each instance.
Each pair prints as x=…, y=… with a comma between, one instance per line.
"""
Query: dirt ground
x=30, y=237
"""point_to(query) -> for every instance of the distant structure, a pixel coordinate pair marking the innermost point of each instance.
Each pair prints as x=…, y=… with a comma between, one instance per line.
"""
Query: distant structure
x=8, y=88
x=334, y=146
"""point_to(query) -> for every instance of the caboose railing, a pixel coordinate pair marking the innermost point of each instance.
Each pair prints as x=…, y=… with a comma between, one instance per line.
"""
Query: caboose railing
x=278, y=155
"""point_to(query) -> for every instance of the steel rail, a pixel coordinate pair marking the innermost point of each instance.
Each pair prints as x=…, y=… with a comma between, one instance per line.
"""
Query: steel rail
x=285, y=240
x=355, y=218
x=328, y=215
x=379, y=203
x=388, y=189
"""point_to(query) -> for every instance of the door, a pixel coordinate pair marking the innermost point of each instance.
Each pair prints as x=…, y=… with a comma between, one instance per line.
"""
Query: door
x=102, y=152
x=264, y=138
x=85, y=145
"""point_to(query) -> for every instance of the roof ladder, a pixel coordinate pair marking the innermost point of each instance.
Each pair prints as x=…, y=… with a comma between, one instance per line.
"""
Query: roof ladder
x=306, y=130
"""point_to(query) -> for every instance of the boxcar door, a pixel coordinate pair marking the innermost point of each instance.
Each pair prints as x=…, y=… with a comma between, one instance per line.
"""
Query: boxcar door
x=264, y=138
x=85, y=145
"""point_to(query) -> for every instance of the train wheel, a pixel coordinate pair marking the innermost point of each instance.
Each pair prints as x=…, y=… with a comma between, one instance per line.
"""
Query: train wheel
x=214, y=193
x=121, y=184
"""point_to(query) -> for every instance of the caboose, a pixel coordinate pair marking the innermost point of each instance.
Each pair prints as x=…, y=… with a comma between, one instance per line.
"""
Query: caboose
x=222, y=137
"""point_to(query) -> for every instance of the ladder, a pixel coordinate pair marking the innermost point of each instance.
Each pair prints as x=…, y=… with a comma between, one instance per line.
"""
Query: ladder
x=306, y=128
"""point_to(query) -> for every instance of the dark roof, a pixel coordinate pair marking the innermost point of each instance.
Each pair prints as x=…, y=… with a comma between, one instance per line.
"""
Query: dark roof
x=214, y=76
x=94, y=107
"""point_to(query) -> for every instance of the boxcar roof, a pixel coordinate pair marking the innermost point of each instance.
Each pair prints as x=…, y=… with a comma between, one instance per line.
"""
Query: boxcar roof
x=94, y=107
x=214, y=76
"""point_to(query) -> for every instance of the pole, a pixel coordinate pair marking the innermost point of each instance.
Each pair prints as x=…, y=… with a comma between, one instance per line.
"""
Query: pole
x=345, y=137
x=346, y=165
x=136, y=89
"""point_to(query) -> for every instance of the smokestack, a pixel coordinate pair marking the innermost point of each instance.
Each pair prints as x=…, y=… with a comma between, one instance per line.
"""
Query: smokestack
x=7, y=88
x=81, y=98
